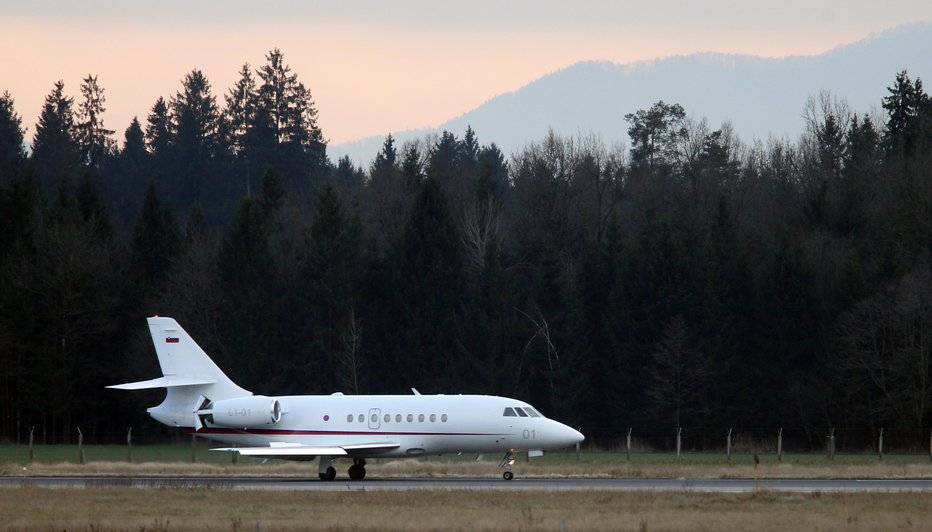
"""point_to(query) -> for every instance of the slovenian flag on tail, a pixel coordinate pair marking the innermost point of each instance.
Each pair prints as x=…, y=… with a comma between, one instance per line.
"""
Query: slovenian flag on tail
x=171, y=340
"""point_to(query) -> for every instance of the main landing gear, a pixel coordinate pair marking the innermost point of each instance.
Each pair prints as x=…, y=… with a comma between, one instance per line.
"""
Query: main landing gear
x=357, y=471
x=507, y=462
x=326, y=471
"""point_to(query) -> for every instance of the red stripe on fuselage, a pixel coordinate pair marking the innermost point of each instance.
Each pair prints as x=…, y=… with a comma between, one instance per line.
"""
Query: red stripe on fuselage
x=269, y=432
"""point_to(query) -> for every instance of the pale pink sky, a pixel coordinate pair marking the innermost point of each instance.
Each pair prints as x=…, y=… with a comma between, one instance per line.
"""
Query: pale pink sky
x=371, y=72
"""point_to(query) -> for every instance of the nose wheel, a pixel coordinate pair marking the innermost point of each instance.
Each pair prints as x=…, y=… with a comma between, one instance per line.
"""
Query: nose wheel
x=506, y=463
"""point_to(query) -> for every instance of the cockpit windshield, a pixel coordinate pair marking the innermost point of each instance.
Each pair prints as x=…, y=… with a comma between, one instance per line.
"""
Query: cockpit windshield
x=521, y=411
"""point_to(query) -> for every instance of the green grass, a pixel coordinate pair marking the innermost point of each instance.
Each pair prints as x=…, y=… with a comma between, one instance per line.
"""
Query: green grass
x=181, y=453
x=55, y=454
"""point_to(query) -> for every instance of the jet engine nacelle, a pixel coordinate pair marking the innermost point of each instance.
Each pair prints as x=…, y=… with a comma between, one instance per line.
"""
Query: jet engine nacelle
x=245, y=412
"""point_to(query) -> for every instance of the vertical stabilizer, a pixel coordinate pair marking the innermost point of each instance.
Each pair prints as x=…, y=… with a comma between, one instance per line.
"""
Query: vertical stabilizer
x=190, y=377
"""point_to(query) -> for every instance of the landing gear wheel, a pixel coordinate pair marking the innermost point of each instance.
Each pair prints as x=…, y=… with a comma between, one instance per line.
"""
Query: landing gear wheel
x=329, y=475
x=508, y=475
x=357, y=472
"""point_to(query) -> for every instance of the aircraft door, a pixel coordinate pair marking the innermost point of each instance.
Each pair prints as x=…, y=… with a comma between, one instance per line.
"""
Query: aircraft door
x=374, y=418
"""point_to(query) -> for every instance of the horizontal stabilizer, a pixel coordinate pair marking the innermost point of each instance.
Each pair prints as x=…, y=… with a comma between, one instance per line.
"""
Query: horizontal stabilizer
x=289, y=450
x=168, y=381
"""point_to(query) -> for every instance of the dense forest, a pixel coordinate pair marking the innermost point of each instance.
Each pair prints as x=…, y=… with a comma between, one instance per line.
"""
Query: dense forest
x=689, y=280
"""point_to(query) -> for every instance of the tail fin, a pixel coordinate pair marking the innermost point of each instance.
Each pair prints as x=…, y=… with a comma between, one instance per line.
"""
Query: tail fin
x=189, y=375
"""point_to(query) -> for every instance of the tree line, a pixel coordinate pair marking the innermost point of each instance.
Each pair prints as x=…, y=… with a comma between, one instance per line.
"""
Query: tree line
x=691, y=279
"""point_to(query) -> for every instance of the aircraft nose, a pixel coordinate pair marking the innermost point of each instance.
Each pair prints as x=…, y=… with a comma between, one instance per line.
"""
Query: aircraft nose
x=575, y=436
x=570, y=436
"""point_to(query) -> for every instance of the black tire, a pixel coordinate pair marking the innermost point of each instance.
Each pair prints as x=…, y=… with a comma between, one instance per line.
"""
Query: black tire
x=357, y=472
x=508, y=475
x=329, y=475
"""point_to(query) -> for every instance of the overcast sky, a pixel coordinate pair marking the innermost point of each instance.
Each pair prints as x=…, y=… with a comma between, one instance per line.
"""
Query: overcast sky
x=379, y=66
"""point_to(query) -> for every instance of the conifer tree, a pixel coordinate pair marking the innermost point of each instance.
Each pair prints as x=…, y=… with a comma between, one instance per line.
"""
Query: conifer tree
x=195, y=130
x=909, y=123
x=286, y=131
x=156, y=239
x=158, y=129
x=239, y=119
x=133, y=155
x=94, y=139
x=331, y=277
x=12, y=149
x=655, y=133
x=54, y=148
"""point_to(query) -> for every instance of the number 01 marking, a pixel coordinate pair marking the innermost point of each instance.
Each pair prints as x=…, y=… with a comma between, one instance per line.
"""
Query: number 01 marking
x=529, y=434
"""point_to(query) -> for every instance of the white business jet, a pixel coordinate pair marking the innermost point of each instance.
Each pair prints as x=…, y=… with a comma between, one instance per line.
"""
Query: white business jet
x=201, y=399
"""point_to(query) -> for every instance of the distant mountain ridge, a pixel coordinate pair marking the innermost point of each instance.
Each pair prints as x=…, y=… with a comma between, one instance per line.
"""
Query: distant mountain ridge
x=761, y=97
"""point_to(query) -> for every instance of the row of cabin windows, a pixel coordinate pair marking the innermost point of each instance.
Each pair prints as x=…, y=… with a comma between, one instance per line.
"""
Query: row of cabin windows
x=518, y=411
x=388, y=418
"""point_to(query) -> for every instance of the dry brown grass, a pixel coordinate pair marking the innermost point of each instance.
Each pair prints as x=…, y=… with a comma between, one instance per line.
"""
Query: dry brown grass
x=485, y=469
x=31, y=508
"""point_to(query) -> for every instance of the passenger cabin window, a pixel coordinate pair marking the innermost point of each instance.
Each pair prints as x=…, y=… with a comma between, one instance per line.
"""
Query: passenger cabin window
x=374, y=418
x=433, y=418
x=362, y=418
x=520, y=412
x=349, y=418
x=388, y=417
x=397, y=418
x=509, y=412
x=420, y=418
x=443, y=418
x=410, y=418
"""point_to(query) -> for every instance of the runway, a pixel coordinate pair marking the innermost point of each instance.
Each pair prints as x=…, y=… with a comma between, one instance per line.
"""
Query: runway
x=433, y=484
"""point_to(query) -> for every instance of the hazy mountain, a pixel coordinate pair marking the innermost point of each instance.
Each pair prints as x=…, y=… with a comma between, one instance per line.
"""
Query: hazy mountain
x=761, y=97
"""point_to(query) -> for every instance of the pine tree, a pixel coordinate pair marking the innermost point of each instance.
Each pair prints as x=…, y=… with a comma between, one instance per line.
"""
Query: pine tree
x=195, y=129
x=248, y=279
x=158, y=129
x=909, y=123
x=431, y=284
x=133, y=155
x=331, y=273
x=12, y=149
x=655, y=133
x=156, y=239
x=239, y=118
x=92, y=209
x=54, y=148
x=93, y=138
x=286, y=131
x=385, y=161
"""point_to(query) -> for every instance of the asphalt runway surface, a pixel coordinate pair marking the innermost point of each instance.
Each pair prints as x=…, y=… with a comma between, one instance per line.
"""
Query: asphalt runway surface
x=433, y=484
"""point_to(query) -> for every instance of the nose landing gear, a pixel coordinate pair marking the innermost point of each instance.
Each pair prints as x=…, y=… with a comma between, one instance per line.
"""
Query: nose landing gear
x=507, y=462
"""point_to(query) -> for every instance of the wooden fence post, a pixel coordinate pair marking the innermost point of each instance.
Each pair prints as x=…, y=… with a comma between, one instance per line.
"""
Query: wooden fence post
x=235, y=455
x=830, y=447
x=577, y=446
x=129, y=445
x=80, y=446
x=880, y=445
x=32, y=452
x=780, y=445
x=628, y=444
x=728, y=446
x=679, y=440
